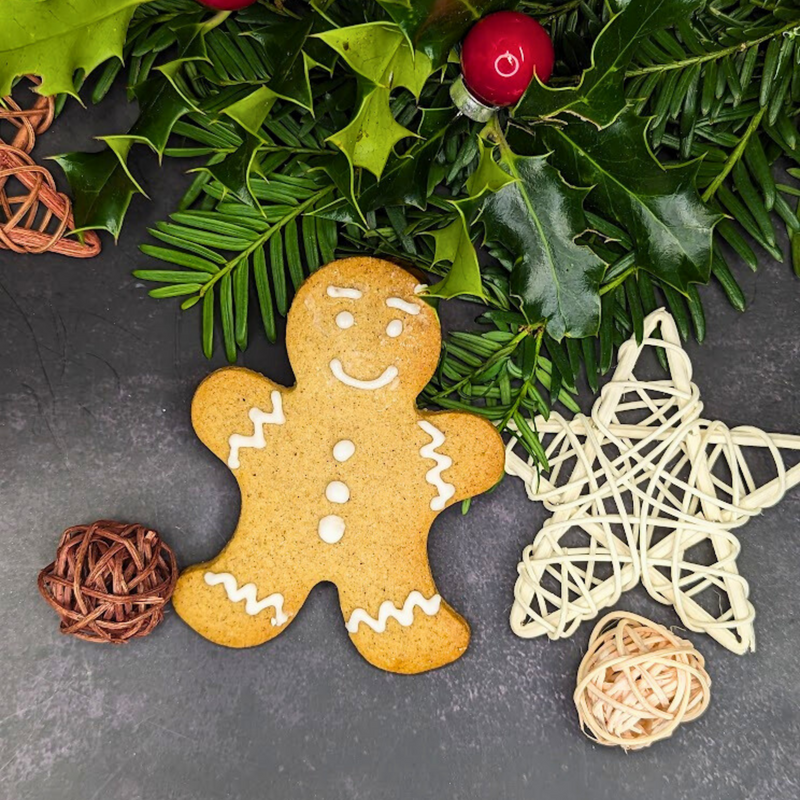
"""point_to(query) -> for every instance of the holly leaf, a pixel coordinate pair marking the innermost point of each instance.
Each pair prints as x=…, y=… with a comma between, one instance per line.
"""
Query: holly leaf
x=251, y=111
x=453, y=244
x=283, y=39
x=160, y=107
x=599, y=97
x=108, y=185
x=370, y=138
x=379, y=52
x=434, y=27
x=54, y=38
x=235, y=170
x=489, y=175
x=383, y=59
x=660, y=208
x=405, y=182
x=537, y=218
x=102, y=187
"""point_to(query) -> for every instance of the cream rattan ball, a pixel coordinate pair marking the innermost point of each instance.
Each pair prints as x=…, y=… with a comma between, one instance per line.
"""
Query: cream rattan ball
x=638, y=682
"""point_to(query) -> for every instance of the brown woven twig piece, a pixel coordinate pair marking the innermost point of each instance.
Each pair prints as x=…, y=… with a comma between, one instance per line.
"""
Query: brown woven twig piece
x=41, y=219
x=110, y=581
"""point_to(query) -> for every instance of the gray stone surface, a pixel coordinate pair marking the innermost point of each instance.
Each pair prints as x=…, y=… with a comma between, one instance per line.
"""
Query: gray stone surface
x=95, y=383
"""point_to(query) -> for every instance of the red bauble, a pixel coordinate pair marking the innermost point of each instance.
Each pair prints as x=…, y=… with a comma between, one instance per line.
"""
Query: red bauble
x=500, y=55
x=227, y=5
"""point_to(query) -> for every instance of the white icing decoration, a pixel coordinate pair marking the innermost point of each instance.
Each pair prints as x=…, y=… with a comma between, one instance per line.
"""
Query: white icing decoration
x=384, y=379
x=249, y=593
x=337, y=492
x=345, y=320
x=394, y=328
x=259, y=418
x=434, y=475
x=331, y=529
x=404, y=615
x=403, y=305
x=420, y=288
x=343, y=450
x=341, y=291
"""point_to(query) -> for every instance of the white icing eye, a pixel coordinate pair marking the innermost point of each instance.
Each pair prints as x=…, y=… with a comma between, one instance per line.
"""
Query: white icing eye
x=345, y=320
x=394, y=328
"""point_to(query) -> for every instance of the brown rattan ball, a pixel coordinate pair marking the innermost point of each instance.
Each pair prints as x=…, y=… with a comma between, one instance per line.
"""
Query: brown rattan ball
x=110, y=581
x=638, y=682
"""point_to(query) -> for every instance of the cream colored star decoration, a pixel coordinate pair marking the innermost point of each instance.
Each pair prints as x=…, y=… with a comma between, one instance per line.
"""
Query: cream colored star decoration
x=646, y=489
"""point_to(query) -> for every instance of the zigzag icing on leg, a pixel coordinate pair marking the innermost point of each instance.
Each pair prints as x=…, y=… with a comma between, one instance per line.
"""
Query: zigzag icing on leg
x=388, y=610
x=249, y=593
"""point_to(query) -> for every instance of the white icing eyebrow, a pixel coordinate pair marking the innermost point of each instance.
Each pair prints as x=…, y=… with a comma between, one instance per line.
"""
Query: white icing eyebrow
x=420, y=288
x=403, y=305
x=343, y=291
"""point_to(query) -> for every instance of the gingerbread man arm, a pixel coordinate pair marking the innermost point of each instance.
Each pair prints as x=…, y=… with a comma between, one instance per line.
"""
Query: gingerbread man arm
x=225, y=403
x=476, y=450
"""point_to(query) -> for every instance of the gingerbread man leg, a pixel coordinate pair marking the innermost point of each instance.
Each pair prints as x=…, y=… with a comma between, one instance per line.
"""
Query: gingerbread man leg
x=403, y=626
x=238, y=599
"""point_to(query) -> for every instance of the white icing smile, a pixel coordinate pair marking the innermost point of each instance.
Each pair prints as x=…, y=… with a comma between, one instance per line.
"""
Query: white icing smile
x=384, y=379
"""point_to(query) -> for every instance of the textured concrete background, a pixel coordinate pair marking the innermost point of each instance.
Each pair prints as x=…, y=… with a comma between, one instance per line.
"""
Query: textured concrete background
x=95, y=383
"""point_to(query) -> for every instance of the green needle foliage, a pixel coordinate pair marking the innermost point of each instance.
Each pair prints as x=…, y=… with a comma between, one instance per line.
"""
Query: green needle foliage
x=624, y=185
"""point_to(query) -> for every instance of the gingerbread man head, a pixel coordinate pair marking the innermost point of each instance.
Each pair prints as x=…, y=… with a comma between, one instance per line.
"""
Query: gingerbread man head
x=360, y=325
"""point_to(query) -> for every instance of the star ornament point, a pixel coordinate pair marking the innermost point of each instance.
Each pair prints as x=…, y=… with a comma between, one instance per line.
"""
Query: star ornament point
x=646, y=490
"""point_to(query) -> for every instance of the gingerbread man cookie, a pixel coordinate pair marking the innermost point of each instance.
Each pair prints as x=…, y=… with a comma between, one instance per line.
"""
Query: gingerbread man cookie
x=341, y=476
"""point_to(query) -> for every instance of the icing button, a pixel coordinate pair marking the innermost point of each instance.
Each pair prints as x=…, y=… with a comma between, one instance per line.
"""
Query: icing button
x=331, y=529
x=337, y=492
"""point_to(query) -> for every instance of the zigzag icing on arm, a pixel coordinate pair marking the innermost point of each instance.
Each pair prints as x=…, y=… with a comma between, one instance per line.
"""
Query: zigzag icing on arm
x=388, y=610
x=259, y=419
x=434, y=475
x=249, y=593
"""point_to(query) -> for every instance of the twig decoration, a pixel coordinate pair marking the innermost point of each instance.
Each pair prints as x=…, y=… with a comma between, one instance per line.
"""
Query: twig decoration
x=638, y=682
x=40, y=220
x=637, y=489
x=110, y=581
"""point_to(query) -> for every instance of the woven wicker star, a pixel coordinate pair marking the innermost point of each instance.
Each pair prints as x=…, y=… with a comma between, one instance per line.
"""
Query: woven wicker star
x=646, y=490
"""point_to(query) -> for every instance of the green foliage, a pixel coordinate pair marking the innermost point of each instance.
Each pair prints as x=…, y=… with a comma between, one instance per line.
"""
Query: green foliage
x=54, y=38
x=668, y=223
x=323, y=129
x=538, y=217
x=380, y=54
x=102, y=186
x=598, y=96
x=434, y=27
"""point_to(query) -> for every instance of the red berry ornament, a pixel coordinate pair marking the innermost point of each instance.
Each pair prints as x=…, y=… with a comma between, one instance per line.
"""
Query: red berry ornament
x=227, y=5
x=499, y=57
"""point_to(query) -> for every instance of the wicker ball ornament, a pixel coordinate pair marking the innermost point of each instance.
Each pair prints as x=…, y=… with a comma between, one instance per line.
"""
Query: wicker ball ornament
x=638, y=682
x=110, y=581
